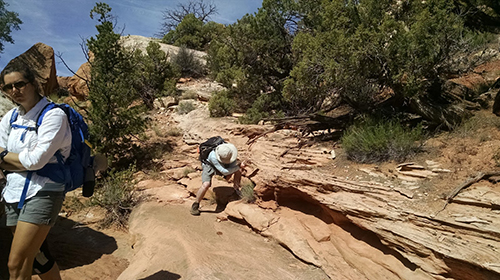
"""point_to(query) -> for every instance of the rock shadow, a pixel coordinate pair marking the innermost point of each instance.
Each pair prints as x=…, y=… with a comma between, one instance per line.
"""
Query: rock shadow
x=70, y=243
x=162, y=275
x=5, y=241
x=73, y=244
x=223, y=195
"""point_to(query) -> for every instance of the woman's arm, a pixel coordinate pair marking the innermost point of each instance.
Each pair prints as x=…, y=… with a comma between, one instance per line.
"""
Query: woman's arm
x=11, y=162
x=224, y=169
x=53, y=134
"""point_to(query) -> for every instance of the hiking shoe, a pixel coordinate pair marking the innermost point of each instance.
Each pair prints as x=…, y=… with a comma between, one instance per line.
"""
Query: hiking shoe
x=195, y=209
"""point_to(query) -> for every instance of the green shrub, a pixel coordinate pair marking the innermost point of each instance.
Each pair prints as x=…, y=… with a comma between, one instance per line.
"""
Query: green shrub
x=189, y=94
x=247, y=193
x=189, y=65
x=263, y=107
x=253, y=116
x=221, y=104
x=187, y=33
x=174, y=132
x=162, y=132
x=116, y=195
x=185, y=107
x=156, y=76
x=377, y=141
x=158, y=131
x=115, y=117
x=254, y=56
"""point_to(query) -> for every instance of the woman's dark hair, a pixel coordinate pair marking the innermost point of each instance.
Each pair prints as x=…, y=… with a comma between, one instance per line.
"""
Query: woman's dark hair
x=18, y=66
x=25, y=70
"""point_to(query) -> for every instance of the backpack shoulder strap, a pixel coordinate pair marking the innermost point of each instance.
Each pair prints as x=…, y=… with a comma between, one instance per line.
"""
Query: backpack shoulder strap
x=44, y=111
x=39, y=120
x=13, y=117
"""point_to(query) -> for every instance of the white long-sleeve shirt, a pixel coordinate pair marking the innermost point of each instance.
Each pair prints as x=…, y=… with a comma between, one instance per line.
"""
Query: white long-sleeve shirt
x=37, y=149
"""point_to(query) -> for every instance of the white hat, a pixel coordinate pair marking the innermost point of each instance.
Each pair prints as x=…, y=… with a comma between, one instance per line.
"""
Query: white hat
x=226, y=153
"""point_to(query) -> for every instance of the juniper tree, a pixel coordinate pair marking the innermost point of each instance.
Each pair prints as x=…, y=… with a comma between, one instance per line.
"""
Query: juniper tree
x=356, y=49
x=115, y=116
x=156, y=75
x=193, y=33
x=8, y=21
x=255, y=55
x=173, y=17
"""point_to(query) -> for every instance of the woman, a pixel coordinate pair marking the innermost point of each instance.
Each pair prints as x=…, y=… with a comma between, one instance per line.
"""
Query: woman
x=32, y=201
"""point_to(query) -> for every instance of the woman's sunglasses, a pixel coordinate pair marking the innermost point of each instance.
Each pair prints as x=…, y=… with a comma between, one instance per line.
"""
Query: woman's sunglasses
x=19, y=85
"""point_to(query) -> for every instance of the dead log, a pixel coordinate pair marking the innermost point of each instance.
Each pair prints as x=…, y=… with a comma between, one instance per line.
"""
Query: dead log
x=309, y=124
x=441, y=113
x=275, y=128
x=466, y=184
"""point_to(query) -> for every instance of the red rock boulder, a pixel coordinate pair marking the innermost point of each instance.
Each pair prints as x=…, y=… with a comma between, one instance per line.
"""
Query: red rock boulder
x=40, y=58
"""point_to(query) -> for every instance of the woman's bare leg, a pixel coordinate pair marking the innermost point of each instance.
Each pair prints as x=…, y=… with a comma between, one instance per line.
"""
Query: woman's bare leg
x=26, y=243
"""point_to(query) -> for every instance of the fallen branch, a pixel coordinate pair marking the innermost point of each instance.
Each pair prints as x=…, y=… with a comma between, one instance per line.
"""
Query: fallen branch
x=275, y=128
x=466, y=184
x=298, y=147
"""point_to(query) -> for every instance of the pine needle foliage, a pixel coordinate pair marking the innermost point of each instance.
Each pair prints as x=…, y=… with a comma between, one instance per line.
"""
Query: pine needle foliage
x=156, y=76
x=8, y=21
x=115, y=116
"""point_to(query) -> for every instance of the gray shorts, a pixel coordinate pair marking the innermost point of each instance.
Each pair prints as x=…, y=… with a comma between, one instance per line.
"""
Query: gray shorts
x=41, y=209
x=208, y=171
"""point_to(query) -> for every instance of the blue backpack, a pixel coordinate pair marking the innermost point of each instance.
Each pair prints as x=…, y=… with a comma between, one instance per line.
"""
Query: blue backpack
x=77, y=171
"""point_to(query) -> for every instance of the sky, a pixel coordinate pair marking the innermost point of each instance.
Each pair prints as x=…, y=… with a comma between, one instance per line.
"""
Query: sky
x=66, y=24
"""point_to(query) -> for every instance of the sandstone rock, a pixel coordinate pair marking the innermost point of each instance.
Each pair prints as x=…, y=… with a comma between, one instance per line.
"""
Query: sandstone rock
x=469, y=81
x=140, y=42
x=316, y=227
x=164, y=102
x=176, y=173
x=63, y=81
x=289, y=232
x=193, y=175
x=77, y=84
x=40, y=58
x=193, y=185
x=168, y=193
x=5, y=105
x=260, y=220
x=149, y=184
x=184, y=80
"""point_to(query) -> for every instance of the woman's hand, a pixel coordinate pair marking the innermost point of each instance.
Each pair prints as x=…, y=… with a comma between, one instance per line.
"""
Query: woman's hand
x=243, y=166
x=11, y=162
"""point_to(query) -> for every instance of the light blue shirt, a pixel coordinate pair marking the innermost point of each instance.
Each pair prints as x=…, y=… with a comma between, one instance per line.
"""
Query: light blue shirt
x=225, y=169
